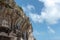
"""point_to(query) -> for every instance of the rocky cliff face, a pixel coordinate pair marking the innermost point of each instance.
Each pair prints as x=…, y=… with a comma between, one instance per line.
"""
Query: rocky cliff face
x=14, y=24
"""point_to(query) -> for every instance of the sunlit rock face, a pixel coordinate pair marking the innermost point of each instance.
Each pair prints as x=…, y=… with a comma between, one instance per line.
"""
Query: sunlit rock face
x=14, y=24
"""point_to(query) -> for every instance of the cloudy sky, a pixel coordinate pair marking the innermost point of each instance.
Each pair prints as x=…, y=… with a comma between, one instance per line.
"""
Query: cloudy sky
x=44, y=16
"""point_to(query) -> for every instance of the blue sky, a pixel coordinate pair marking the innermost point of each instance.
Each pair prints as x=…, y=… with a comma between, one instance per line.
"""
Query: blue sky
x=44, y=16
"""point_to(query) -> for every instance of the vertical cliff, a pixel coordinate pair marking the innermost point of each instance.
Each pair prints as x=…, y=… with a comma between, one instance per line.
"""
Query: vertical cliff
x=14, y=24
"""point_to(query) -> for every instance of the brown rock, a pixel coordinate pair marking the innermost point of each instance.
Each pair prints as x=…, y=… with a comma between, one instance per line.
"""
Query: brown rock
x=14, y=24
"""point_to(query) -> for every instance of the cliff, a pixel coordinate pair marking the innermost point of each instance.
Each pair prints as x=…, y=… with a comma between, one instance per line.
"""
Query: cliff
x=14, y=24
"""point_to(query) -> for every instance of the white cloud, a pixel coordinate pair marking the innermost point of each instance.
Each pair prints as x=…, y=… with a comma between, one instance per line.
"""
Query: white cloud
x=50, y=30
x=36, y=18
x=28, y=8
x=50, y=14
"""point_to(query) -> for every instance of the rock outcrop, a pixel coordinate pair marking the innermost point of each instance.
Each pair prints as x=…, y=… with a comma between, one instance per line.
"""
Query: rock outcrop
x=14, y=24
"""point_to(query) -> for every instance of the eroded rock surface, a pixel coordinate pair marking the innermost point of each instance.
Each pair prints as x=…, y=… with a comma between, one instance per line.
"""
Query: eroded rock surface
x=14, y=24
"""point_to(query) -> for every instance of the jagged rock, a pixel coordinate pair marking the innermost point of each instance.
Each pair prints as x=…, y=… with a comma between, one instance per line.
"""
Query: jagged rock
x=13, y=22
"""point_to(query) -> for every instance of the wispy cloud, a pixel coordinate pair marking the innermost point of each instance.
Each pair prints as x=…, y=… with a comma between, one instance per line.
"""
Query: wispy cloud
x=50, y=13
x=50, y=30
x=28, y=9
x=36, y=18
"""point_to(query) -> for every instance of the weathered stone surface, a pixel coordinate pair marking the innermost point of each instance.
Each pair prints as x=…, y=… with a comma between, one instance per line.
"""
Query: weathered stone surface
x=13, y=22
